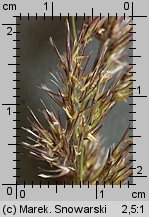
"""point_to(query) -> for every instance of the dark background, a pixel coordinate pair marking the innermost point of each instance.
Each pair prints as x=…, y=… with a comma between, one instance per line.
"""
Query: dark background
x=37, y=59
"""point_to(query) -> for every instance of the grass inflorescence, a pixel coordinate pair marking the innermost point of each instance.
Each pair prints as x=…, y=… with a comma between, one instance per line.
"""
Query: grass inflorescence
x=74, y=150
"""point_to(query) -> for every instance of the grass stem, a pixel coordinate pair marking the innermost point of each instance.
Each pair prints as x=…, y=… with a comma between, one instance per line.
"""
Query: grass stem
x=74, y=28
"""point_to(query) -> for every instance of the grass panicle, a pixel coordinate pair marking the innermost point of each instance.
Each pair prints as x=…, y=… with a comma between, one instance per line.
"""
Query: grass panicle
x=86, y=97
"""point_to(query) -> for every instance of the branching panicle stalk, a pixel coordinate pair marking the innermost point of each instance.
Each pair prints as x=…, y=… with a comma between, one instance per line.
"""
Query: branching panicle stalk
x=86, y=97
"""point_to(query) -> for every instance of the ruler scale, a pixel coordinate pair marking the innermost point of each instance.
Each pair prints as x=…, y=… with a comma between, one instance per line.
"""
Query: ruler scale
x=18, y=193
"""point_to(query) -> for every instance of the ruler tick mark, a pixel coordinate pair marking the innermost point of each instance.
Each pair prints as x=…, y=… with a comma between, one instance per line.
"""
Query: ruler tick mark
x=100, y=16
x=56, y=187
x=52, y=10
x=116, y=16
x=92, y=13
x=80, y=184
x=84, y=16
x=96, y=188
x=76, y=16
